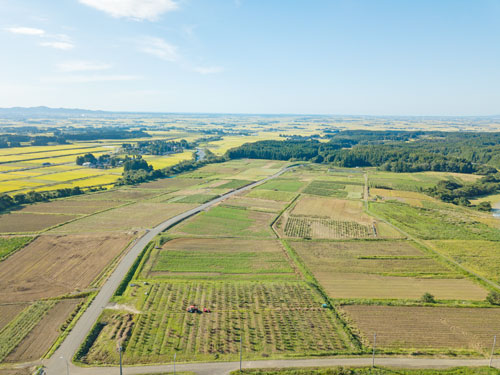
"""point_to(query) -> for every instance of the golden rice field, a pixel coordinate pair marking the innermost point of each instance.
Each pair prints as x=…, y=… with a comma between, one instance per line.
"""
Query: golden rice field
x=168, y=160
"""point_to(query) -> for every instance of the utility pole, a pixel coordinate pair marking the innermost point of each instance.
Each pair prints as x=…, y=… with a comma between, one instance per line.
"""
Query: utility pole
x=241, y=351
x=493, y=349
x=374, y=346
x=120, y=349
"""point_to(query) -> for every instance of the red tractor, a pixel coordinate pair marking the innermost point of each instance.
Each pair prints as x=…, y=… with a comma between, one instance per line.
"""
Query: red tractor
x=193, y=309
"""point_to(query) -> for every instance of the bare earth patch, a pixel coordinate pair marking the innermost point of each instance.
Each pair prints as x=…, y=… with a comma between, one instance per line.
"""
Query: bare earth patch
x=31, y=222
x=9, y=311
x=54, y=265
x=409, y=328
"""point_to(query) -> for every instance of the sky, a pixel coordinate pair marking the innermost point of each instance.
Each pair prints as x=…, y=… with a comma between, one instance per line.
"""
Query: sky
x=384, y=57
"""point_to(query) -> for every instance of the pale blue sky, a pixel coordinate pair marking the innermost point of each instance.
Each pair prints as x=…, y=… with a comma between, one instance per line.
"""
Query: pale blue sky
x=398, y=57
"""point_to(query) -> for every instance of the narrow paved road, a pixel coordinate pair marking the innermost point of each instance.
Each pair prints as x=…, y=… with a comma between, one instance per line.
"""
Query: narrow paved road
x=57, y=363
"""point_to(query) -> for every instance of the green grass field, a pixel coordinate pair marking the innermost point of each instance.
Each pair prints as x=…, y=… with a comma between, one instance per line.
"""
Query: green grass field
x=282, y=185
x=228, y=221
x=11, y=244
x=429, y=223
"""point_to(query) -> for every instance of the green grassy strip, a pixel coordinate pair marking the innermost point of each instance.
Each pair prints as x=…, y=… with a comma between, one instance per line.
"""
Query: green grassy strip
x=369, y=371
x=9, y=246
x=131, y=272
x=12, y=334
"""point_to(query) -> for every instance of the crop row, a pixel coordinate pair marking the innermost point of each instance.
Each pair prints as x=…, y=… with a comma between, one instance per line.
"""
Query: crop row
x=229, y=296
x=157, y=335
x=12, y=334
x=309, y=227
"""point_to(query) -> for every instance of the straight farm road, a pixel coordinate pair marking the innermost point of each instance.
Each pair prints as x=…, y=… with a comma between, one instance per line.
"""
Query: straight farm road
x=56, y=365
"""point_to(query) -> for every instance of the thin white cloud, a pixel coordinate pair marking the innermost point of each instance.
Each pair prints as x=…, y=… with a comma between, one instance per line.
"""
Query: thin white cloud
x=26, y=31
x=138, y=10
x=90, y=78
x=159, y=48
x=208, y=69
x=58, y=45
x=81, y=66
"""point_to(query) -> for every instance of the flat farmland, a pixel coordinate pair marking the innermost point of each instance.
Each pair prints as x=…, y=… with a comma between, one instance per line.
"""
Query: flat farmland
x=481, y=257
x=31, y=222
x=360, y=286
x=326, y=189
x=171, y=184
x=255, y=204
x=36, y=343
x=115, y=195
x=441, y=222
x=420, y=328
x=410, y=197
x=54, y=265
x=385, y=270
x=338, y=209
x=135, y=216
x=275, y=319
x=9, y=311
x=69, y=206
x=280, y=196
x=316, y=227
x=282, y=185
x=228, y=221
x=219, y=258
x=9, y=244
x=17, y=329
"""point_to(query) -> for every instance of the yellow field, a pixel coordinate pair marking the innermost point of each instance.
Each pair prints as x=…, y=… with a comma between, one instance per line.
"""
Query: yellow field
x=166, y=161
x=52, y=154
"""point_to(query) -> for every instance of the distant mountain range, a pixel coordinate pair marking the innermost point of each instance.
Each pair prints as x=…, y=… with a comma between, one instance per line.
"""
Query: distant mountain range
x=49, y=112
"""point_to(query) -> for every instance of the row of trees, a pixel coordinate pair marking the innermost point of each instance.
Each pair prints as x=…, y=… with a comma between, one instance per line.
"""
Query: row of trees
x=391, y=157
x=9, y=202
x=457, y=193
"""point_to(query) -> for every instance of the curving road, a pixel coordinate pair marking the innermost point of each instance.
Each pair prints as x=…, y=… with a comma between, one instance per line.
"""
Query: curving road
x=57, y=363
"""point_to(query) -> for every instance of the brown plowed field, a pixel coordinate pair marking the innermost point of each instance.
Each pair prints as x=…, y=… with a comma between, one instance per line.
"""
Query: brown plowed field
x=67, y=206
x=28, y=222
x=337, y=209
x=39, y=340
x=8, y=312
x=427, y=327
x=54, y=265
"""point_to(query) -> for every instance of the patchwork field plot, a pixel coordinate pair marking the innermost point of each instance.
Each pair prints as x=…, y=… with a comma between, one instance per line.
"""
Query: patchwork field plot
x=435, y=223
x=219, y=258
x=420, y=328
x=280, y=196
x=9, y=311
x=12, y=243
x=315, y=227
x=135, y=216
x=282, y=185
x=31, y=222
x=338, y=209
x=273, y=319
x=482, y=257
x=326, y=189
x=54, y=265
x=195, y=198
x=228, y=221
x=36, y=343
x=410, y=197
x=255, y=204
x=413, y=181
x=69, y=206
x=171, y=184
x=382, y=269
x=13, y=333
